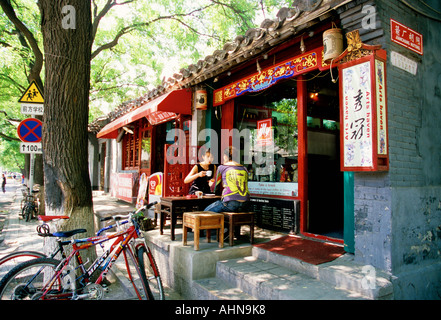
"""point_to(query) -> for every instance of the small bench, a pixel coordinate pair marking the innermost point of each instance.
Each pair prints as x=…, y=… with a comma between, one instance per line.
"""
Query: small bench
x=236, y=220
x=203, y=220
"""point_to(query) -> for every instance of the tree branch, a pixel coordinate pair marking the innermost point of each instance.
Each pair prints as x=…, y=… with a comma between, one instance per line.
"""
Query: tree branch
x=15, y=83
x=2, y=135
x=132, y=27
x=8, y=118
x=38, y=64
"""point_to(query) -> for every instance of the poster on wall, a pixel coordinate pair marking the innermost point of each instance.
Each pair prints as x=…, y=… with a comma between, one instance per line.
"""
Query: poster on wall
x=122, y=186
x=357, y=115
x=264, y=132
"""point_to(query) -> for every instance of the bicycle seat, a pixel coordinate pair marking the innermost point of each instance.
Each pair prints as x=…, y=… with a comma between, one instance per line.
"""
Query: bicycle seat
x=49, y=218
x=66, y=234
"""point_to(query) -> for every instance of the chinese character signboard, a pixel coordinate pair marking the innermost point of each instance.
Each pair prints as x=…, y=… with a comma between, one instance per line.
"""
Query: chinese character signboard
x=363, y=114
x=406, y=37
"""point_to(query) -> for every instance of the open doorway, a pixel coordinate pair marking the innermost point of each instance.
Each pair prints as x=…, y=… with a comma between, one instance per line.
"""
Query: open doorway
x=325, y=209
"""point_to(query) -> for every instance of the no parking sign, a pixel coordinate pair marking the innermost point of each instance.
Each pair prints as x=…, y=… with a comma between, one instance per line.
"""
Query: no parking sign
x=29, y=130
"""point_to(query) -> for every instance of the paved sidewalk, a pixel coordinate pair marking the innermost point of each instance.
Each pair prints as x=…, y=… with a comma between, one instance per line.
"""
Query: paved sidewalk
x=16, y=234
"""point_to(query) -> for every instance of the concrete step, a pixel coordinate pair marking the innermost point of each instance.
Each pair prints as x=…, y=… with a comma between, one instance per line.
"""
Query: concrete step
x=269, y=281
x=217, y=289
x=342, y=273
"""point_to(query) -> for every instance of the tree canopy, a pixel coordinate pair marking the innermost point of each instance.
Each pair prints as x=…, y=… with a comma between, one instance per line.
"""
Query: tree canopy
x=135, y=45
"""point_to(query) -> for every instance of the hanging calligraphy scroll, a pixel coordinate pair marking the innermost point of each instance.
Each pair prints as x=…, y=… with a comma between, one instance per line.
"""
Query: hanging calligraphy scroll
x=306, y=62
x=363, y=114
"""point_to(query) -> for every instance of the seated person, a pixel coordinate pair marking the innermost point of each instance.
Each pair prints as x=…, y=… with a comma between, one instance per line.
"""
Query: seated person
x=201, y=175
x=234, y=179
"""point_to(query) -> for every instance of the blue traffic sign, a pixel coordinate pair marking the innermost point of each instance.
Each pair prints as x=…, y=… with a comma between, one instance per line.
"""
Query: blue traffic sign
x=29, y=130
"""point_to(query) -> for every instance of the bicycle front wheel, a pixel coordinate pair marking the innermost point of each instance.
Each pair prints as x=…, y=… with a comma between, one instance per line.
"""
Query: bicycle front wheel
x=133, y=280
x=148, y=266
x=8, y=262
x=27, y=280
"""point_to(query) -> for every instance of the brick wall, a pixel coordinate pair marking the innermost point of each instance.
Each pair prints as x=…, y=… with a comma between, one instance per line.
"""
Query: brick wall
x=398, y=213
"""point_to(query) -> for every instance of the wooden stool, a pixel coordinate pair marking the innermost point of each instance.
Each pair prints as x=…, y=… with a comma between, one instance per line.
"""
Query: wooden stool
x=203, y=220
x=237, y=219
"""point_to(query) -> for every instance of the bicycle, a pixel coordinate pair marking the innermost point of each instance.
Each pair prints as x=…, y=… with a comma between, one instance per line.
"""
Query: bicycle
x=29, y=204
x=50, y=279
x=15, y=258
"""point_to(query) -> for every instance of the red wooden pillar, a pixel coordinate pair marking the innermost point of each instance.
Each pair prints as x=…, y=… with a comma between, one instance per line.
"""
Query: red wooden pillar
x=302, y=151
x=227, y=122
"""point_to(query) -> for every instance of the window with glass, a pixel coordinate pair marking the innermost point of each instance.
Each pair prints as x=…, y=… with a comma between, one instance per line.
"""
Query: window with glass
x=131, y=148
x=270, y=117
x=146, y=149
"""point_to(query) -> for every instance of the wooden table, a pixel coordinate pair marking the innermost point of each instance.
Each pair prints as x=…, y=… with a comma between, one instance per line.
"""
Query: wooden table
x=203, y=220
x=176, y=206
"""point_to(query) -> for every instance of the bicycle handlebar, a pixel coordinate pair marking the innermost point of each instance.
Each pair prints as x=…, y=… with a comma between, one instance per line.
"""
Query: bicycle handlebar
x=126, y=216
x=121, y=217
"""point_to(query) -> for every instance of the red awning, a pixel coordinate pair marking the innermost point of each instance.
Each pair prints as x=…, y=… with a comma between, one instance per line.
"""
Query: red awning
x=161, y=109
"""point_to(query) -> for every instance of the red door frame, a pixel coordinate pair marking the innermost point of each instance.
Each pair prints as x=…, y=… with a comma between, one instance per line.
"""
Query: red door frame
x=302, y=104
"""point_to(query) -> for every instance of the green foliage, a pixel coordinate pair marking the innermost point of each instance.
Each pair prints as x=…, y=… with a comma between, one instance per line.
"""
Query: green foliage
x=159, y=37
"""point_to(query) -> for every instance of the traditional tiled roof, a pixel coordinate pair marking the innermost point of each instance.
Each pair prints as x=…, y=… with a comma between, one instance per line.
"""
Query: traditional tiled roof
x=288, y=22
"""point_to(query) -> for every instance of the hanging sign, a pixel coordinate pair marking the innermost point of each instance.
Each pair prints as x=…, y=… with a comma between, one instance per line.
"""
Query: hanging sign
x=32, y=101
x=406, y=37
x=363, y=114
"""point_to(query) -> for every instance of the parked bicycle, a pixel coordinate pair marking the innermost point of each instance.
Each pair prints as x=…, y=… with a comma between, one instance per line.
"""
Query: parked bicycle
x=29, y=204
x=51, y=279
x=13, y=259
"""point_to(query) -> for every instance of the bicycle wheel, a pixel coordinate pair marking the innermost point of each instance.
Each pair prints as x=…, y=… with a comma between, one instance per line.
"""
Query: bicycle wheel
x=26, y=281
x=28, y=212
x=8, y=262
x=132, y=279
x=148, y=265
x=23, y=210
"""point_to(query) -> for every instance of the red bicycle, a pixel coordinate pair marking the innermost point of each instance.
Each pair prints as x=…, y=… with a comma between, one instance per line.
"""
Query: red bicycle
x=50, y=279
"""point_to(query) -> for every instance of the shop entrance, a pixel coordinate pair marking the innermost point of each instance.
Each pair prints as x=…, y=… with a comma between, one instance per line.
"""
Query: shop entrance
x=325, y=187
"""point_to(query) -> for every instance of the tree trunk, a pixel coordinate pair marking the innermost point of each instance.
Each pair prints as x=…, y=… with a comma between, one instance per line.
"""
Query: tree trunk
x=66, y=93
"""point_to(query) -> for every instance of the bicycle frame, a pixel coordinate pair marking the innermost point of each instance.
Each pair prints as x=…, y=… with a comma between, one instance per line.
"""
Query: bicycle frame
x=122, y=239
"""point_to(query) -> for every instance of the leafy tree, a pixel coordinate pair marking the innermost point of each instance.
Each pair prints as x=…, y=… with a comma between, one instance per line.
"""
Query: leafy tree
x=96, y=52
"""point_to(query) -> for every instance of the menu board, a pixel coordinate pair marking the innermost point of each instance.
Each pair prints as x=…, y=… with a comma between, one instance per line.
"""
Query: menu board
x=276, y=214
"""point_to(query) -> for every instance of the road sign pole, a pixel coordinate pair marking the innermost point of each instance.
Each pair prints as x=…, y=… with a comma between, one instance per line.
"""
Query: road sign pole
x=31, y=172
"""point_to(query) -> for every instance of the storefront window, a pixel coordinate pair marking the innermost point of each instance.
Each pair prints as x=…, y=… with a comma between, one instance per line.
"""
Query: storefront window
x=274, y=160
x=146, y=149
x=273, y=153
x=131, y=149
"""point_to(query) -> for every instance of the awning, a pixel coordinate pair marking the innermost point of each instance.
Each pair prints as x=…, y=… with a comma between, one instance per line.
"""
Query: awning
x=161, y=109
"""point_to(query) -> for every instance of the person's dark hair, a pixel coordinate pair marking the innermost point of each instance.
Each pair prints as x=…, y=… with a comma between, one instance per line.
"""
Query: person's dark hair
x=230, y=152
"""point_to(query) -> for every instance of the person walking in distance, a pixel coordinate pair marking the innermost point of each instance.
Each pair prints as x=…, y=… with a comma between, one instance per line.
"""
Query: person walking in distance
x=3, y=183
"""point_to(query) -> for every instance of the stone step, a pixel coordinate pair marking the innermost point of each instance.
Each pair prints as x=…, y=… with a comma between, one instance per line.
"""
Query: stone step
x=269, y=281
x=342, y=273
x=217, y=289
